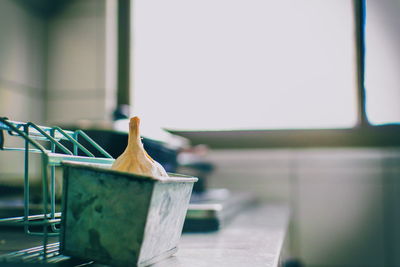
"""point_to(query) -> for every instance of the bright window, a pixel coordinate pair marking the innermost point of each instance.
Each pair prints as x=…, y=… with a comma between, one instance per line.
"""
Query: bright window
x=244, y=64
x=383, y=61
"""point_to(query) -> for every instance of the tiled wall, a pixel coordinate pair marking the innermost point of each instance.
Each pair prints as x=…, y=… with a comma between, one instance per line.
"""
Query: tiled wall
x=22, y=65
x=76, y=77
x=344, y=201
x=22, y=76
x=53, y=69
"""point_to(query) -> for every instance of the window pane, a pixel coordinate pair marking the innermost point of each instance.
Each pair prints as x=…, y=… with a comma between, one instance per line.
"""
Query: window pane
x=244, y=64
x=383, y=61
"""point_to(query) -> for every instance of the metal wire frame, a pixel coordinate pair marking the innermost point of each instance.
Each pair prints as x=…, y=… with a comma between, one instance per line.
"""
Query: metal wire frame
x=50, y=158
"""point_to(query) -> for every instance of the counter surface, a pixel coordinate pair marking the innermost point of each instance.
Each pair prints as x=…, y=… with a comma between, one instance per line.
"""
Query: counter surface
x=254, y=238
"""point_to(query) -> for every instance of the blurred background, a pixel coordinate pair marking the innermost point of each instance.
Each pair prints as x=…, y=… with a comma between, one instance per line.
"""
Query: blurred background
x=293, y=101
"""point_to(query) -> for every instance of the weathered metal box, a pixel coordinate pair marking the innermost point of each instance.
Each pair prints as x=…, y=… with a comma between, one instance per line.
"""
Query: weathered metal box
x=121, y=219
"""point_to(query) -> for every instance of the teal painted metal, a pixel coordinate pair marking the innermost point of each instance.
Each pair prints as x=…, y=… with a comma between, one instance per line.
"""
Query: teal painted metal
x=119, y=218
x=52, y=136
x=31, y=256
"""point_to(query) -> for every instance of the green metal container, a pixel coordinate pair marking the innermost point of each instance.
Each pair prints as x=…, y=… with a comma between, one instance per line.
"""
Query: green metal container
x=121, y=219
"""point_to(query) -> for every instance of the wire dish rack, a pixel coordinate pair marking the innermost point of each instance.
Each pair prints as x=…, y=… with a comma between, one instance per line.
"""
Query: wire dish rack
x=54, y=145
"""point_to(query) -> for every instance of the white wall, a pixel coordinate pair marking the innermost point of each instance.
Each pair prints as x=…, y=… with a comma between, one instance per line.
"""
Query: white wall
x=343, y=200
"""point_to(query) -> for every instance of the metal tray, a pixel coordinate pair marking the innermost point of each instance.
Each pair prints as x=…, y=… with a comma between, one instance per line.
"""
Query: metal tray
x=121, y=219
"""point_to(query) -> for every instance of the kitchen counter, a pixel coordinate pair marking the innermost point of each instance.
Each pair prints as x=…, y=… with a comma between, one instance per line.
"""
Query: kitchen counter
x=255, y=237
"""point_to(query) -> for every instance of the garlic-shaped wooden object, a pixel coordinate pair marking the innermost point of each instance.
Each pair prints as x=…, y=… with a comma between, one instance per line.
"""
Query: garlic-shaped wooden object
x=135, y=159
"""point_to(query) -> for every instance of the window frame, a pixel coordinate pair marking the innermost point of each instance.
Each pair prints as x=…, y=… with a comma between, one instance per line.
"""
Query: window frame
x=363, y=134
